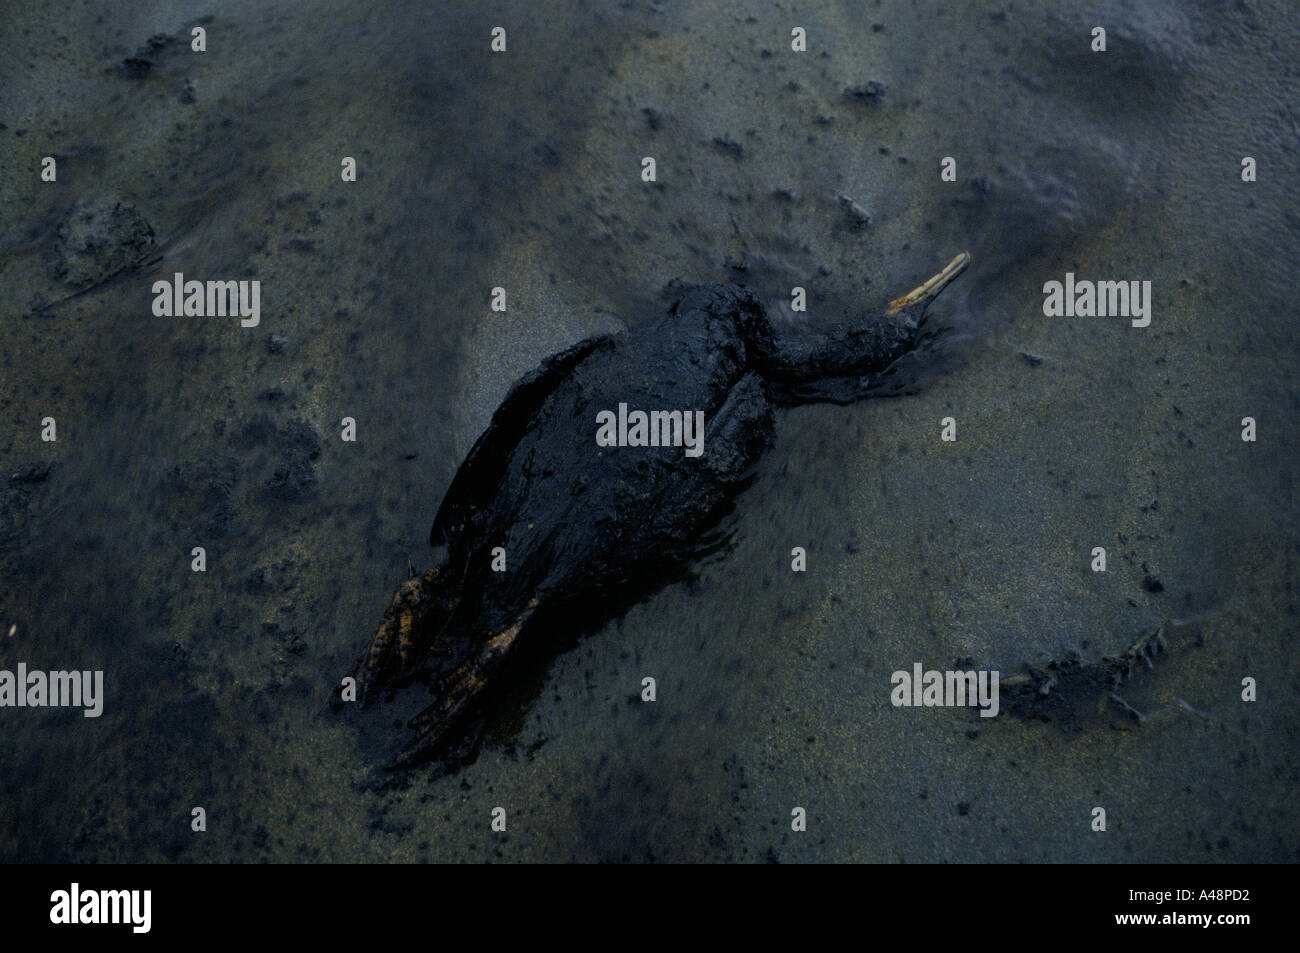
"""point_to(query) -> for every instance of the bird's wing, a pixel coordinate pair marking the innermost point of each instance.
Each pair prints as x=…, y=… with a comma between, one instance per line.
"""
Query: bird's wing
x=477, y=479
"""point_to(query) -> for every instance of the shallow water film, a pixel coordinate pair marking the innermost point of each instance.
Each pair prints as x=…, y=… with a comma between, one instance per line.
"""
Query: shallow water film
x=1084, y=481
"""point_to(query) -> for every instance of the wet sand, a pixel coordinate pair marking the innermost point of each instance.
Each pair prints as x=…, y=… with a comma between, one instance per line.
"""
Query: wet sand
x=522, y=171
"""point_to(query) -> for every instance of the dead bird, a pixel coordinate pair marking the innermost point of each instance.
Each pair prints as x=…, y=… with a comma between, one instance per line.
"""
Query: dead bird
x=545, y=516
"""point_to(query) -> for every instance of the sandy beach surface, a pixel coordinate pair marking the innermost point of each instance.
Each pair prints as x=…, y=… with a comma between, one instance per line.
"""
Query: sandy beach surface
x=775, y=168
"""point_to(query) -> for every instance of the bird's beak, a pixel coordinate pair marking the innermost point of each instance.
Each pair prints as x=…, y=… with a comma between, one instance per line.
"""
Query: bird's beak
x=924, y=294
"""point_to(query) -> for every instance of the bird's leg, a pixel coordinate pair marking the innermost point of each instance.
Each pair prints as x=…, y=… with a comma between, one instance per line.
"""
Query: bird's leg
x=402, y=639
x=458, y=693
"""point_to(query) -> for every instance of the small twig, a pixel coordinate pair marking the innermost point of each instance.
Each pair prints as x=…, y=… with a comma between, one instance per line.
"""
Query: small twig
x=1198, y=714
x=1127, y=707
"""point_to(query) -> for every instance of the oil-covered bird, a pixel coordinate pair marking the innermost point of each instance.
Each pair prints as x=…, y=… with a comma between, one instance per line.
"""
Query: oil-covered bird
x=578, y=521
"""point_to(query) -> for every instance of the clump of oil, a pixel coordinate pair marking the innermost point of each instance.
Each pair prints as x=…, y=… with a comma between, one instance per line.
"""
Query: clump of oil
x=98, y=239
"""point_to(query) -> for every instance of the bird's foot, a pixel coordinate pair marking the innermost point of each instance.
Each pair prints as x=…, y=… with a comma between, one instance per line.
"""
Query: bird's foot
x=401, y=641
x=457, y=694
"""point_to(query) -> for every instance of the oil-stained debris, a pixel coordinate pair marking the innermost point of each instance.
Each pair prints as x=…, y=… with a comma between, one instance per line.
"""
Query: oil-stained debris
x=728, y=146
x=1072, y=688
x=99, y=239
x=31, y=473
x=858, y=216
x=148, y=56
x=869, y=92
